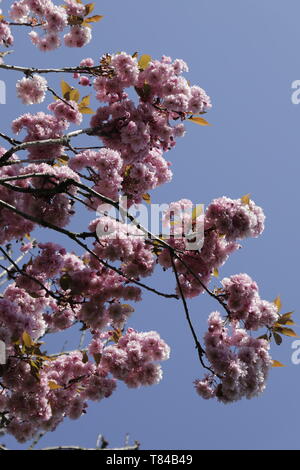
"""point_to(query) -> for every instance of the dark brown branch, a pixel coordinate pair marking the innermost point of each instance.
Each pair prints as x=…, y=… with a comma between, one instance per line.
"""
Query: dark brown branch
x=136, y=446
x=95, y=70
x=74, y=237
x=31, y=25
x=210, y=293
x=24, y=273
x=59, y=97
x=63, y=140
x=200, y=350
x=9, y=139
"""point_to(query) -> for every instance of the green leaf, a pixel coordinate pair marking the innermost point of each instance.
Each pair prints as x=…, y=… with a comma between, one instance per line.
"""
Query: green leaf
x=144, y=61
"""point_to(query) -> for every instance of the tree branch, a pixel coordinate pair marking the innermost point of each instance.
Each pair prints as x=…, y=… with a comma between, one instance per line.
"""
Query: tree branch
x=74, y=237
x=200, y=350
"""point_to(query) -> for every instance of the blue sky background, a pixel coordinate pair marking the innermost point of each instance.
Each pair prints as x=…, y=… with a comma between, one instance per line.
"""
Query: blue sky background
x=246, y=56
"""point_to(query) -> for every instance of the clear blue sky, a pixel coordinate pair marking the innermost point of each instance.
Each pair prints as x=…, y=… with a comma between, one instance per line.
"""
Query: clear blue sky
x=246, y=55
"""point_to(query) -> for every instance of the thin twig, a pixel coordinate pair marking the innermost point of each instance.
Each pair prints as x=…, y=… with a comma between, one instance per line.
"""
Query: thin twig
x=74, y=237
x=200, y=350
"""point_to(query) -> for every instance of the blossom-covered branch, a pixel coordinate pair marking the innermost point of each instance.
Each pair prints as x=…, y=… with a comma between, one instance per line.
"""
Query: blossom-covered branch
x=143, y=107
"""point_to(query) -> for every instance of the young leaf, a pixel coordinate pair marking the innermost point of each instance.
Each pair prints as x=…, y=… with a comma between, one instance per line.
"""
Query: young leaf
x=65, y=87
x=147, y=198
x=216, y=272
x=34, y=365
x=278, y=303
x=93, y=19
x=85, y=110
x=27, y=341
x=97, y=357
x=277, y=364
x=65, y=281
x=85, y=357
x=286, y=319
x=64, y=158
x=74, y=20
x=144, y=61
x=85, y=101
x=74, y=95
x=53, y=385
x=89, y=8
x=286, y=331
x=246, y=199
x=265, y=336
x=198, y=210
x=199, y=120
x=144, y=92
x=277, y=338
x=127, y=171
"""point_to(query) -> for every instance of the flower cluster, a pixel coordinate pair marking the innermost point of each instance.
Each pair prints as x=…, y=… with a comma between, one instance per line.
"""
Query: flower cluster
x=142, y=132
x=178, y=221
x=32, y=90
x=245, y=304
x=235, y=219
x=239, y=361
x=39, y=393
x=53, y=20
x=67, y=111
x=6, y=37
x=56, y=290
x=118, y=241
x=131, y=360
x=41, y=404
x=106, y=166
x=41, y=126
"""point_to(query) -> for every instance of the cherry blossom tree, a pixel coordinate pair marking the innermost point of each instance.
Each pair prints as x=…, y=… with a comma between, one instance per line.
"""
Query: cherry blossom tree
x=143, y=106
